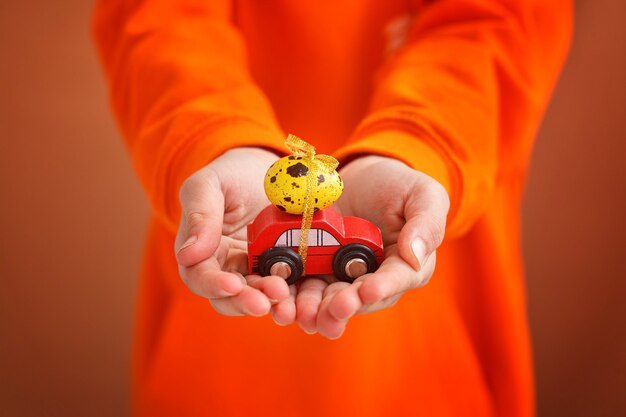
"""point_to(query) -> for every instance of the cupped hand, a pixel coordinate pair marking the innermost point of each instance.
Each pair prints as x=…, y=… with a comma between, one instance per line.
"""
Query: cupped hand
x=221, y=199
x=410, y=208
x=218, y=202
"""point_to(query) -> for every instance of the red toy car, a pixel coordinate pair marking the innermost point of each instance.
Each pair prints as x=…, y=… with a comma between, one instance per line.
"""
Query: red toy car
x=346, y=246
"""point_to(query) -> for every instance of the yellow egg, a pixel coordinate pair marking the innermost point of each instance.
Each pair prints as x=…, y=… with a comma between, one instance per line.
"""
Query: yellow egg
x=285, y=185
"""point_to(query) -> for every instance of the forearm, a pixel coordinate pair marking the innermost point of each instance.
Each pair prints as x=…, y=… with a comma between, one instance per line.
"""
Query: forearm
x=462, y=99
x=180, y=90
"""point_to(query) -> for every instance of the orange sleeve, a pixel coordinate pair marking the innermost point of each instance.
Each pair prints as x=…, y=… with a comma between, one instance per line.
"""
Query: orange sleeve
x=462, y=99
x=180, y=90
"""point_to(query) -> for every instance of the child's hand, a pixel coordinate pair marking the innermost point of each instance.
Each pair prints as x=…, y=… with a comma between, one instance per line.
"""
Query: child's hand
x=218, y=202
x=410, y=208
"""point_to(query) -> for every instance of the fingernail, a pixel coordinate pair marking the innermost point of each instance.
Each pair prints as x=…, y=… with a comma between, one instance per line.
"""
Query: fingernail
x=250, y=313
x=279, y=323
x=190, y=241
x=335, y=337
x=419, y=251
x=239, y=274
x=226, y=293
x=232, y=288
x=305, y=330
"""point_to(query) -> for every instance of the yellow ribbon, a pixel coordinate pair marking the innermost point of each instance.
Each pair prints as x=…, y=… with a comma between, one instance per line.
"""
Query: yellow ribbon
x=316, y=163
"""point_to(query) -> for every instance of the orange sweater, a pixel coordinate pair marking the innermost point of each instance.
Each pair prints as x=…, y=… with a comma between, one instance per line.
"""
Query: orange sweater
x=455, y=88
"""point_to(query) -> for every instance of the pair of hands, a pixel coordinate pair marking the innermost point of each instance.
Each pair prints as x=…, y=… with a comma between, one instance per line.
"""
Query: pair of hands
x=221, y=199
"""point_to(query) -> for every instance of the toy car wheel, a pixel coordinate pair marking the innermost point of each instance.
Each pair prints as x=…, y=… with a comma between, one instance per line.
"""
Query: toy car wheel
x=352, y=261
x=282, y=262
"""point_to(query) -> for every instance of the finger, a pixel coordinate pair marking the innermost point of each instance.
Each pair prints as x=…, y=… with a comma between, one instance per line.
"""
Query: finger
x=346, y=302
x=284, y=312
x=234, y=257
x=425, y=211
x=206, y=279
x=274, y=287
x=201, y=220
x=308, y=300
x=381, y=305
x=249, y=302
x=394, y=277
x=328, y=325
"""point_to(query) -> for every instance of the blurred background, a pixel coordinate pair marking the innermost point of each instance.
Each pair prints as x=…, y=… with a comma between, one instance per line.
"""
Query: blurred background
x=72, y=217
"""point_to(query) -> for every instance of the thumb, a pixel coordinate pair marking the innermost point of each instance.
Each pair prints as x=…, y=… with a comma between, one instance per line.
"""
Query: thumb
x=425, y=211
x=201, y=220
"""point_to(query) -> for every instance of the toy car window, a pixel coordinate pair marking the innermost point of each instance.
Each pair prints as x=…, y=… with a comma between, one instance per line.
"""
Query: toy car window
x=290, y=238
x=317, y=237
x=326, y=239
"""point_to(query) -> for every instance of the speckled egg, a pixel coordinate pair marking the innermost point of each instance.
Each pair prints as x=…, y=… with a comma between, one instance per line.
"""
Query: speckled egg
x=285, y=185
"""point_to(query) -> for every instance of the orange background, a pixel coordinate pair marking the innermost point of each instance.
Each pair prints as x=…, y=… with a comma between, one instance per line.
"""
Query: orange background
x=72, y=218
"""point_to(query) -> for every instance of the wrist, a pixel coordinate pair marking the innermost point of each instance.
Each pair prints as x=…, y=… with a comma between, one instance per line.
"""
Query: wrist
x=363, y=163
x=252, y=151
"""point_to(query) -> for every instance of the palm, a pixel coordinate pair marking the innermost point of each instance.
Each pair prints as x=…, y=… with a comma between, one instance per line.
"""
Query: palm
x=231, y=254
x=218, y=202
x=396, y=208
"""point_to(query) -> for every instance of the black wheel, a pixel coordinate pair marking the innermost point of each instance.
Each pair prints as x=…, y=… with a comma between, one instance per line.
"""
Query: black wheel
x=288, y=259
x=352, y=261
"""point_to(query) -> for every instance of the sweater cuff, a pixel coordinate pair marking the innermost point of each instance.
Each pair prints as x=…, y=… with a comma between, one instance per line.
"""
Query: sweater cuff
x=413, y=151
x=207, y=144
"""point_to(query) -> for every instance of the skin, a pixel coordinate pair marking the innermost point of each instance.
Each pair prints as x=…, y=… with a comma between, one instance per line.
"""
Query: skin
x=221, y=199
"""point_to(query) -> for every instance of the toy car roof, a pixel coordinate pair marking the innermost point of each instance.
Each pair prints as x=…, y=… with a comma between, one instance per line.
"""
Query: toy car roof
x=327, y=218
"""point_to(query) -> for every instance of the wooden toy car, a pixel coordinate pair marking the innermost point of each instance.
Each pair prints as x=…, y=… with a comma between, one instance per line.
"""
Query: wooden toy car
x=347, y=247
